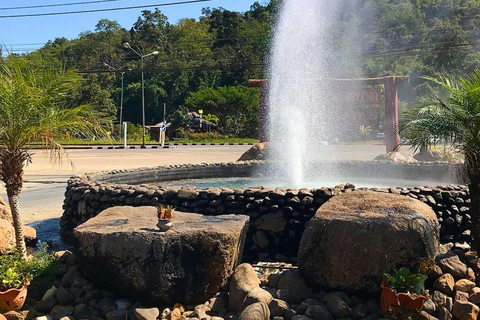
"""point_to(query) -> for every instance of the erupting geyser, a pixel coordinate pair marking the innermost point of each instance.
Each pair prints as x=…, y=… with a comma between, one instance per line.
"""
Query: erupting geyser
x=312, y=45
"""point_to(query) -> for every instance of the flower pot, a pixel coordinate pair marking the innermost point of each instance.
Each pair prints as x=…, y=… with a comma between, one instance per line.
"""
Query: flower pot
x=411, y=303
x=164, y=224
x=12, y=299
x=391, y=300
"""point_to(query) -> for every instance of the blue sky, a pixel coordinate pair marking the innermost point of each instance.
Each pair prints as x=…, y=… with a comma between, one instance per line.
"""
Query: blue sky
x=30, y=33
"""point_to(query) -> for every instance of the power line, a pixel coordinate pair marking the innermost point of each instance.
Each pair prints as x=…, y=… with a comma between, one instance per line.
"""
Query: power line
x=59, y=5
x=102, y=10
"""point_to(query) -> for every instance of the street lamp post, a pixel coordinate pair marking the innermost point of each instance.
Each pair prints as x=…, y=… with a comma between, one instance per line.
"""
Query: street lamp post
x=142, y=57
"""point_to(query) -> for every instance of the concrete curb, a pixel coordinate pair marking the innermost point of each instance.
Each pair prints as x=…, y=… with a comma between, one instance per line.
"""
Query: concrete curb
x=129, y=147
x=167, y=145
x=212, y=144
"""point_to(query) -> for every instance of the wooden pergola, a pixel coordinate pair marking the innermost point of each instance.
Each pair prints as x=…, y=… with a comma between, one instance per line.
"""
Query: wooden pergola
x=391, y=84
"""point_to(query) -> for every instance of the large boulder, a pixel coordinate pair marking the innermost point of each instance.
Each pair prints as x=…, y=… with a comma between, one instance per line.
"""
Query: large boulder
x=396, y=157
x=257, y=152
x=430, y=155
x=5, y=212
x=354, y=238
x=123, y=250
x=7, y=240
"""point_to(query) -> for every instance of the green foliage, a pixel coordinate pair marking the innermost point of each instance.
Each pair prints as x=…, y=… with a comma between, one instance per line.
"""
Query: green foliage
x=403, y=281
x=15, y=272
x=453, y=120
x=236, y=107
x=34, y=103
x=225, y=48
x=211, y=118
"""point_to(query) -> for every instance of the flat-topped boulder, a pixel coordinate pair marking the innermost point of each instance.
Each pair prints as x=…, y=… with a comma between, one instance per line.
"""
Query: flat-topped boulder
x=354, y=238
x=122, y=249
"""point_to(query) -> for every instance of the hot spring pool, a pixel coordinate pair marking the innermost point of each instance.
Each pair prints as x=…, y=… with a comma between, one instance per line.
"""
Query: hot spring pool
x=246, y=182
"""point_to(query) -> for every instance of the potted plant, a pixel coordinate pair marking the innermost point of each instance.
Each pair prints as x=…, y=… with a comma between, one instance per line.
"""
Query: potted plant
x=164, y=216
x=403, y=291
x=16, y=274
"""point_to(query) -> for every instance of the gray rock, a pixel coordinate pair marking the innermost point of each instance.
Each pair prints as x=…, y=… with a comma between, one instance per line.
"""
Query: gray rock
x=105, y=302
x=93, y=295
x=321, y=313
x=465, y=310
x=69, y=277
x=290, y=314
x=47, y=304
x=147, y=313
x=80, y=283
x=242, y=281
x=272, y=222
x=60, y=311
x=212, y=246
x=278, y=308
x=337, y=306
x=217, y=304
x=450, y=263
x=256, y=311
x=64, y=297
x=444, y=283
x=297, y=289
x=429, y=306
x=255, y=295
x=122, y=304
x=444, y=314
x=116, y=315
x=77, y=292
x=359, y=311
x=440, y=299
x=301, y=317
x=80, y=308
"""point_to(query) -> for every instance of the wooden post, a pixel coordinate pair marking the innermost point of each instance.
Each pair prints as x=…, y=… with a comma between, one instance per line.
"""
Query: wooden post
x=392, y=137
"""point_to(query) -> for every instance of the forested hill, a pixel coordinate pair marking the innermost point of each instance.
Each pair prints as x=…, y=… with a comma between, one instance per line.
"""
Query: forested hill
x=224, y=49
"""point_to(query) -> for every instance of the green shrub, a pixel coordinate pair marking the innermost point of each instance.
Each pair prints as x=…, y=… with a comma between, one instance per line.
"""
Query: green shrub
x=39, y=268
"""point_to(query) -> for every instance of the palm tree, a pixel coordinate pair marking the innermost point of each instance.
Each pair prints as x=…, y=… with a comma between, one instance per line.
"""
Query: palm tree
x=454, y=120
x=34, y=106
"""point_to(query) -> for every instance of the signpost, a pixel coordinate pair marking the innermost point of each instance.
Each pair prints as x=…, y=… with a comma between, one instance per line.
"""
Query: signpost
x=163, y=128
x=125, y=135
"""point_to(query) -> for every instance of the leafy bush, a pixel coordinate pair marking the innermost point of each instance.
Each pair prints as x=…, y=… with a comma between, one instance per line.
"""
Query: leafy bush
x=403, y=281
x=15, y=272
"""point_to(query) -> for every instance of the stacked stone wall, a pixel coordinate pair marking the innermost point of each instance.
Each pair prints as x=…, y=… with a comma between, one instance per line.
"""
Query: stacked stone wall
x=277, y=216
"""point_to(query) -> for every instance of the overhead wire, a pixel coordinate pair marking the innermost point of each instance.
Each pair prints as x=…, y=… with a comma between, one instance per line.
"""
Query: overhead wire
x=58, y=5
x=103, y=10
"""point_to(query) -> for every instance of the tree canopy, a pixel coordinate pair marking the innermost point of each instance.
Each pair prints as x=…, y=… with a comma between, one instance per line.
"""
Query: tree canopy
x=224, y=49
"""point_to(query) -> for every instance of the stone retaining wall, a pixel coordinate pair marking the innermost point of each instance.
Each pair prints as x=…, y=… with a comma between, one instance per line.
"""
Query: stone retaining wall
x=277, y=216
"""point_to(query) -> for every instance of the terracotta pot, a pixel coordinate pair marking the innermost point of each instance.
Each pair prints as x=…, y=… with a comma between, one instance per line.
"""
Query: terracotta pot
x=391, y=300
x=164, y=224
x=411, y=303
x=12, y=299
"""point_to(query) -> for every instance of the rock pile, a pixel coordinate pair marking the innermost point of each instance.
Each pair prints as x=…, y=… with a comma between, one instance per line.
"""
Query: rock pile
x=454, y=290
x=265, y=291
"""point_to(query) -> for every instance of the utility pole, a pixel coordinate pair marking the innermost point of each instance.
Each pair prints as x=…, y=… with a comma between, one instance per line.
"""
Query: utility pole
x=164, y=112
